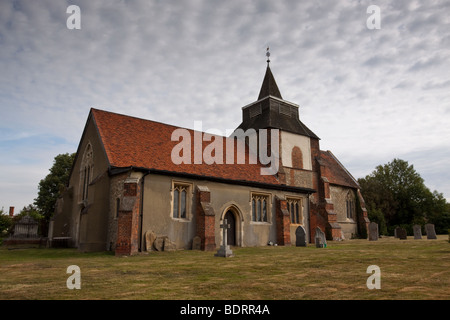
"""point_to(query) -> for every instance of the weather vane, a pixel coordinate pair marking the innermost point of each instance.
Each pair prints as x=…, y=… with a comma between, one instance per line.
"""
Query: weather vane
x=268, y=56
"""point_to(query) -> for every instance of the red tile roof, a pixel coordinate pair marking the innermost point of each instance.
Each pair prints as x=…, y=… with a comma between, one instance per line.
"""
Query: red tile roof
x=134, y=142
x=335, y=172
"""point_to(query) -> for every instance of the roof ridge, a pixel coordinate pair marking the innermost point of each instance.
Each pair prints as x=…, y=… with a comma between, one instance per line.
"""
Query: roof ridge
x=154, y=121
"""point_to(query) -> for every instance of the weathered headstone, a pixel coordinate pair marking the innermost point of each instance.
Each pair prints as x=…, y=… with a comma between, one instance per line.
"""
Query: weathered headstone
x=169, y=245
x=224, y=250
x=373, y=231
x=197, y=243
x=431, y=233
x=417, y=232
x=401, y=233
x=300, y=237
x=158, y=244
x=321, y=241
x=150, y=237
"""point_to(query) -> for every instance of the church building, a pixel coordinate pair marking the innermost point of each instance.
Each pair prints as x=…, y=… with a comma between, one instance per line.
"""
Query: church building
x=125, y=185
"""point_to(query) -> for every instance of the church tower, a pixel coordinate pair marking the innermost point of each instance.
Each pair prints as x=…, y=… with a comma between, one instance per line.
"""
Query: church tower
x=299, y=150
x=298, y=145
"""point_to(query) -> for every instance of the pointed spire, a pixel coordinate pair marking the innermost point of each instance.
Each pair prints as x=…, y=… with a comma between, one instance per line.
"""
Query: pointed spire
x=269, y=86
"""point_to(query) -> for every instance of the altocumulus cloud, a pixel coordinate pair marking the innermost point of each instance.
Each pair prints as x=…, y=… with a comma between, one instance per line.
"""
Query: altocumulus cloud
x=371, y=95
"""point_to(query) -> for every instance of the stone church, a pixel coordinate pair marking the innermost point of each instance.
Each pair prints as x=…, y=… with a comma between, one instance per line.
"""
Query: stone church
x=124, y=185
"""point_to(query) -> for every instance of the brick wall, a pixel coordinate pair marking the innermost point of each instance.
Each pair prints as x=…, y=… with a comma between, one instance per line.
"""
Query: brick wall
x=205, y=219
x=128, y=221
x=283, y=222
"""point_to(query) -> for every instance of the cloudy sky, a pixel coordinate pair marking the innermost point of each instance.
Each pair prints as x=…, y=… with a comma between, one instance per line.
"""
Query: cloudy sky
x=371, y=95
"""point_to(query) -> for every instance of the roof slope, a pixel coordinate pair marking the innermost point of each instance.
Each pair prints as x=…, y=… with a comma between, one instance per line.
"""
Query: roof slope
x=134, y=142
x=335, y=172
x=269, y=86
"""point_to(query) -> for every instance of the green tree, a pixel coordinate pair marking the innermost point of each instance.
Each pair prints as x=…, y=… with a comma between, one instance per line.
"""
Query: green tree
x=51, y=186
x=398, y=192
x=5, y=223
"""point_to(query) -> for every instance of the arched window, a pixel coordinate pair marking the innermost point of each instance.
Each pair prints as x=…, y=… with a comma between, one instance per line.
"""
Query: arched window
x=294, y=207
x=86, y=172
x=297, y=158
x=260, y=208
x=181, y=202
x=350, y=202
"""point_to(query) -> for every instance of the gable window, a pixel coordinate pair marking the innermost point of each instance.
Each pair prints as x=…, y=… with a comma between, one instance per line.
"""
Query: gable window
x=350, y=202
x=180, y=200
x=260, y=207
x=86, y=172
x=294, y=207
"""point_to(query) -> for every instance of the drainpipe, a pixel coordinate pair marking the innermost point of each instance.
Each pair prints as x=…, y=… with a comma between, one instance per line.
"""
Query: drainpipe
x=309, y=218
x=141, y=211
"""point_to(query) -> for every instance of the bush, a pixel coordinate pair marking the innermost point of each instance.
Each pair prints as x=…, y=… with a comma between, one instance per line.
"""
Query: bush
x=5, y=224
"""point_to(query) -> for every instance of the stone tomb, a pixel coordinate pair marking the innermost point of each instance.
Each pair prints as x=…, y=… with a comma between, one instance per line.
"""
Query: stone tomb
x=401, y=233
x=373, y=231
x=224, y=250
x=300, y=237
x=417, y=232
x=429, y=229
x=27, y=227
x=320, y=239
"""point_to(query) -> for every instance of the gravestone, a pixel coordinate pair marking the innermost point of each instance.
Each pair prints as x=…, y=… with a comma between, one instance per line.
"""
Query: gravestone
x=431, y=233
x=150, y=237
x=321, y=241
x=417, y=232
x=158, y=244
x=197, y=243
x=300, y=237
x=373, y=231
x=169, y=245
x=224, y=250
x=401, y=233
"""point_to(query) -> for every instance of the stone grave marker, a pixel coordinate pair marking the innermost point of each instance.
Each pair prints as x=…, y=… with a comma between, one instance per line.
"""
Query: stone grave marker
x=401, y=233
x=321, y=241
x=169, y=245
x=158, y=244
x=150, y=237
x=431, y=233
x=417, y=232
x=300, y=237
x=224, y=250
x=197, y=243
x=373, y=231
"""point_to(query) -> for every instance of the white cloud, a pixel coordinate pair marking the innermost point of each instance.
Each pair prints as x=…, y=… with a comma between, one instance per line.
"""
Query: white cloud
x=371, y=95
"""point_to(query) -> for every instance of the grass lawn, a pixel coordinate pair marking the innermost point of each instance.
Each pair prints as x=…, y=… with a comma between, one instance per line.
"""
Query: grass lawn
x=410, y=269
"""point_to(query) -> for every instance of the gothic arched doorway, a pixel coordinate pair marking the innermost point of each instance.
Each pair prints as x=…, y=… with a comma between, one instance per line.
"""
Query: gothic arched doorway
x=231, y=231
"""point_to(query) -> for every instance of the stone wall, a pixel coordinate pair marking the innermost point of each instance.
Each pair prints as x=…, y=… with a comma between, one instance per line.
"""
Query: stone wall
x=339, y=198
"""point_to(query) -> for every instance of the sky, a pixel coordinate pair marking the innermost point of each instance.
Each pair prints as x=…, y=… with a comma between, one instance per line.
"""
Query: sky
x=370, y=94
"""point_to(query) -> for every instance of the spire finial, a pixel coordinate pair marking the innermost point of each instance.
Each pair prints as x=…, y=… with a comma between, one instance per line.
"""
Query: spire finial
x=268, y=56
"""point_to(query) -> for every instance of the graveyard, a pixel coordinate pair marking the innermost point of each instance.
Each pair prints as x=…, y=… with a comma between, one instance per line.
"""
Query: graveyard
x=410, y=269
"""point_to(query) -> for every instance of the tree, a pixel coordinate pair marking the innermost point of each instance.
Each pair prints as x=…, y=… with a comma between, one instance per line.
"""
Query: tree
x=397, y=191
x=5, y=223
x=51, y=186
